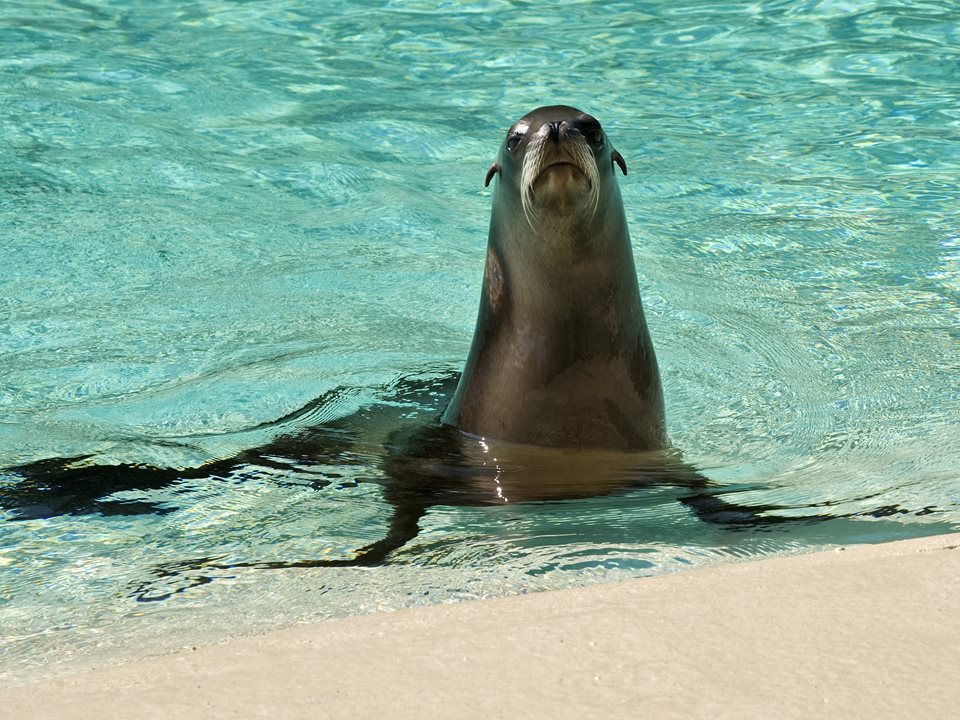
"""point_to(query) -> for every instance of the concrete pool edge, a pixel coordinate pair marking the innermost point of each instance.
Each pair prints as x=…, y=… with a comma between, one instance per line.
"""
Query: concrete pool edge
x=866, y=631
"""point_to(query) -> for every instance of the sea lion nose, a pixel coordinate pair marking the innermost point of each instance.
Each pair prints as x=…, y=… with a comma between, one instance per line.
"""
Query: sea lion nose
x=553, y=130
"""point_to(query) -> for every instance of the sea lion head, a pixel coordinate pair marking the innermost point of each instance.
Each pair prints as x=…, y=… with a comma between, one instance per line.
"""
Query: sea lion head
x=555, y=163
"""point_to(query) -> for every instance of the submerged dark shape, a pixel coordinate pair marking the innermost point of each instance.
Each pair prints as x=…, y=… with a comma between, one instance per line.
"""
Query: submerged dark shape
x=560, y=398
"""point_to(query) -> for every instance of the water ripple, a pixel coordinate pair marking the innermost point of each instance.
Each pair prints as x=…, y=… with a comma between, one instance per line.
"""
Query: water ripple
x=212, y=213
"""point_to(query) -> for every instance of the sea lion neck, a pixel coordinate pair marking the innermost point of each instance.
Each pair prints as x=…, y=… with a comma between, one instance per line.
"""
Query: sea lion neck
x=554, y=286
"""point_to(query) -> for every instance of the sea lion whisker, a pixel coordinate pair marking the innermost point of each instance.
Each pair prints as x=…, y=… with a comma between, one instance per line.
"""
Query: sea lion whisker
x=531, y=171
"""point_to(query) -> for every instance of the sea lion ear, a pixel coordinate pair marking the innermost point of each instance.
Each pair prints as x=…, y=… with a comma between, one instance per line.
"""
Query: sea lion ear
x=618, y=159
x=494, y=170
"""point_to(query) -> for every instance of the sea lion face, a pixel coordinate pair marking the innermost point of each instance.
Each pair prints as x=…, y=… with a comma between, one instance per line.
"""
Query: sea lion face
x=555, y=162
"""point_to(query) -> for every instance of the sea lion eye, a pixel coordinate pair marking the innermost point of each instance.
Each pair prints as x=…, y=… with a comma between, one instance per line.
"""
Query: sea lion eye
x=512, y=141
x=595, y=137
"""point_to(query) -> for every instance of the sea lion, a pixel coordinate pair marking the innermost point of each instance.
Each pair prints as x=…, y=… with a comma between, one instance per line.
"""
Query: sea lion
x=561, y=355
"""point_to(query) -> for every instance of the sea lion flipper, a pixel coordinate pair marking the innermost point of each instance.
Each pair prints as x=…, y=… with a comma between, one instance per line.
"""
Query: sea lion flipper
x=59, y=486
x=404, y=527
x=716, y=509
x=174, y=578
x=712, y=503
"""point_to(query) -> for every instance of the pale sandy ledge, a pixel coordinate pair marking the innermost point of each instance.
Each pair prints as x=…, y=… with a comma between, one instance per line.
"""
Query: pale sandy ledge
x=869, y=631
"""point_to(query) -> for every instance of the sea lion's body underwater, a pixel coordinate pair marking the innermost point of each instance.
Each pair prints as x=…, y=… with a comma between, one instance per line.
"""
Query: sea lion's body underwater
x=560, y=397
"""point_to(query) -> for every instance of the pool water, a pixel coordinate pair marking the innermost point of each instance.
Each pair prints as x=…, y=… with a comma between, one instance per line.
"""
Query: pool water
x=212, y=213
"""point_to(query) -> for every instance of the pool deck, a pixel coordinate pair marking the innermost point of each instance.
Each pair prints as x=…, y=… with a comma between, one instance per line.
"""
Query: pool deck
x=869, y=631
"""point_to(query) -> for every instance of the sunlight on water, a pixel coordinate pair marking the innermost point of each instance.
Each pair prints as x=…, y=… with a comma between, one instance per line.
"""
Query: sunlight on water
x=212, y=213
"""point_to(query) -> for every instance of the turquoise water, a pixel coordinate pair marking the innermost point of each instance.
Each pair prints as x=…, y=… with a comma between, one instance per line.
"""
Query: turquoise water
x=213, y=212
